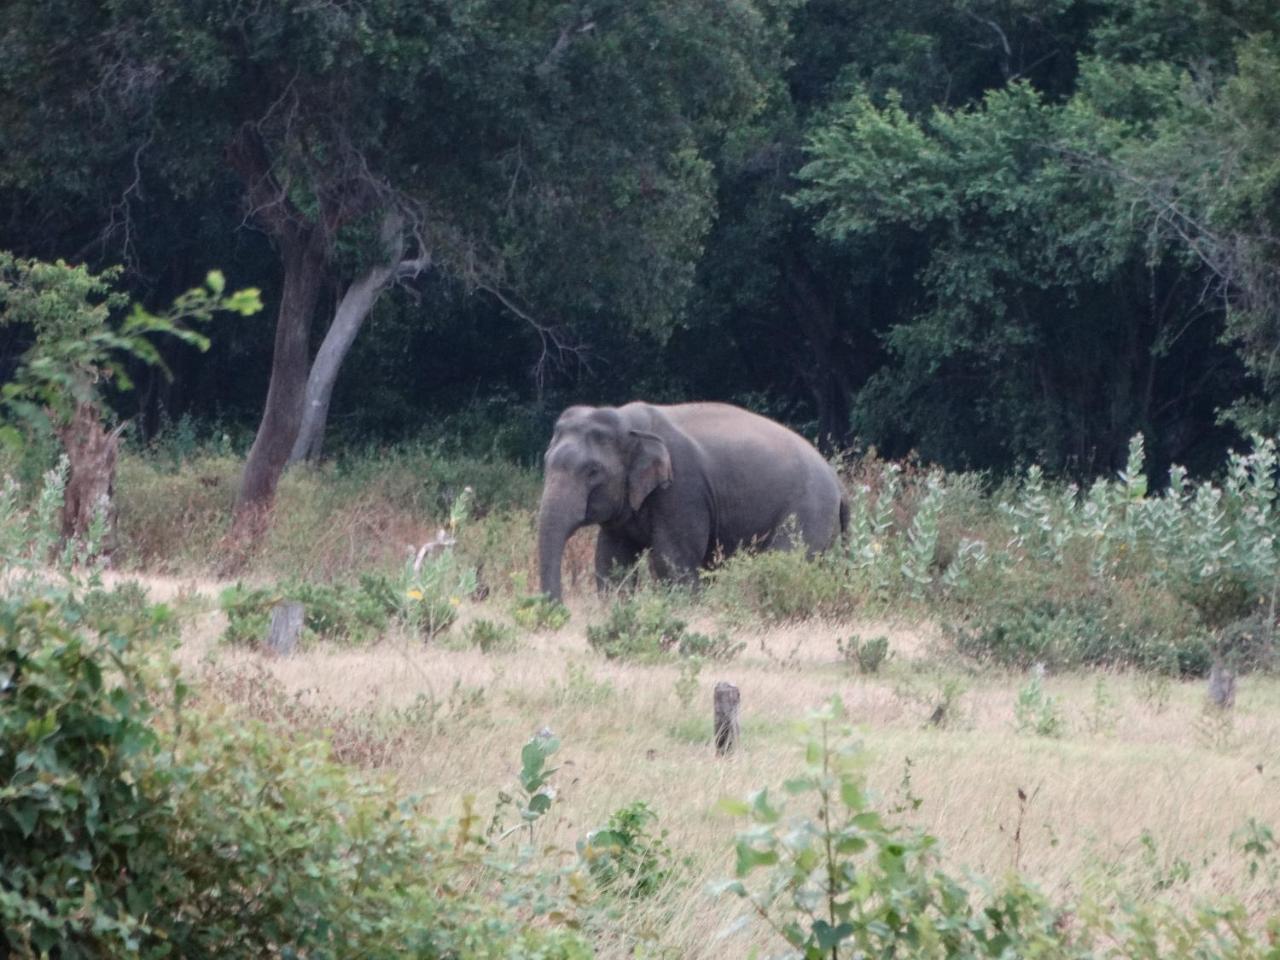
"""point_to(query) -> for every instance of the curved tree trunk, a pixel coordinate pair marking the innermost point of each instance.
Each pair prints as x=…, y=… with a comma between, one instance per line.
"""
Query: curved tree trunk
x=348, y=317
x=304, y=268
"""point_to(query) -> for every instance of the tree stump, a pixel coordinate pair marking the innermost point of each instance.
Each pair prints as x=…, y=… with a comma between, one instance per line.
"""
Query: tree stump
x=727, y=700
x=1222, y=687
x=287, y=620
x=91, y=460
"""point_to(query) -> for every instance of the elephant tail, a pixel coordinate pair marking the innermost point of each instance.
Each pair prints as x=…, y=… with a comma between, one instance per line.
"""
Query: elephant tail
x=844, y=517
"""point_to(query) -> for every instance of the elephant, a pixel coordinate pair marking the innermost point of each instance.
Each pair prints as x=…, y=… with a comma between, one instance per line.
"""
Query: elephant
x=689, y=482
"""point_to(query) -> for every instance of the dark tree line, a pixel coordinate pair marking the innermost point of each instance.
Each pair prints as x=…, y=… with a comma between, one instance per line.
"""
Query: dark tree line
x=992, y=231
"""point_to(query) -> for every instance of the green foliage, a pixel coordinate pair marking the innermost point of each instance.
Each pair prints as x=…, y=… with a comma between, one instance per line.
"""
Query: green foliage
x=534, y=792
x=1035, y=711
x=832, y=878
x=645, y=626
x=867, y=655
x=248, y=613
x=80, y=343
x=355, y=614
x=539, y=612
x=490, y=637
x=626, y=858
x=132, y=826
x=777, y=587
x=686, y=685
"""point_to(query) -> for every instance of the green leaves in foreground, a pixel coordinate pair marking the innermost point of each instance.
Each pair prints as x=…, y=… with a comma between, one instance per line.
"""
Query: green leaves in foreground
x=838, y=881
x=124, y=833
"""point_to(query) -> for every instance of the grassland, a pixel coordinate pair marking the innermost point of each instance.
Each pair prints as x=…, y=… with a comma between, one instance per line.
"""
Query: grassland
x=1144, y=793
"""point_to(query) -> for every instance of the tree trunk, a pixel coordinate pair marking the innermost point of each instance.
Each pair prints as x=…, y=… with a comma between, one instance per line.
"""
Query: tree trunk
x=815, y=316
x=304, y=266
x=348, y=317
x=91, y=459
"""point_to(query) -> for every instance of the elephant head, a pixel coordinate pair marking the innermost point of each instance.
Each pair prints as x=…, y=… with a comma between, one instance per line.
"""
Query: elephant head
x=599, y=469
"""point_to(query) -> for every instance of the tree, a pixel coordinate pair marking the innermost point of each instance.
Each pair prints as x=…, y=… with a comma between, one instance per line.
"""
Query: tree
x=542, y=152
x=80, y=345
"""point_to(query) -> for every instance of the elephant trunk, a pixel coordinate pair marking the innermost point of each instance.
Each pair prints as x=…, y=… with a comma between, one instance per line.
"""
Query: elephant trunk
x=558, y=517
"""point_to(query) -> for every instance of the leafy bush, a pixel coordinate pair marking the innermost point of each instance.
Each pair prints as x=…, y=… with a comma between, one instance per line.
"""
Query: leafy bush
x=539, y=612
x=868, y=655
x=489, y=637
x=125, y=833
x=840, y=882
x=248, y=613
x=644, y=626
x=1034, y=711
x=779, y=586
x=626, y=858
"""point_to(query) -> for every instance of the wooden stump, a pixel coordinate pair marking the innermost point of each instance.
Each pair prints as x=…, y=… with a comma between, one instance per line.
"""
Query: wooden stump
x=727, y=700
x=287, y=620
x=91, y=460
x=1222, y=687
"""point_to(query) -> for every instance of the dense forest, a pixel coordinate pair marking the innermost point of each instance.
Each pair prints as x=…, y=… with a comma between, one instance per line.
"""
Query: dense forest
x=990, y=231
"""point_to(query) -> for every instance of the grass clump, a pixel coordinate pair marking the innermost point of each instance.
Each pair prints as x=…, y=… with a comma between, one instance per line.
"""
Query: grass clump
x=868, y=656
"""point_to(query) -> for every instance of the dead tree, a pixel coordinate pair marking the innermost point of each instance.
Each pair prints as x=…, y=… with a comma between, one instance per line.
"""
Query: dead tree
x=91, y=457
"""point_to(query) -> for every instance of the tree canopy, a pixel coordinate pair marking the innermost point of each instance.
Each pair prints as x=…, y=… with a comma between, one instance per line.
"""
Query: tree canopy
x=991, y=231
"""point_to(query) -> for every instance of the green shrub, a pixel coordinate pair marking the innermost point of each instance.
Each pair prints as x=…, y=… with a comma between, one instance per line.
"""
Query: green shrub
x=1111, y=625
x=644, y=626
x=489, y=637
x=539, y=612
x=248, y=613
x=867, y=655
x=719, y=647
x=626, y=858
x=1034, y=711
x=124, y=833
x=779, y=586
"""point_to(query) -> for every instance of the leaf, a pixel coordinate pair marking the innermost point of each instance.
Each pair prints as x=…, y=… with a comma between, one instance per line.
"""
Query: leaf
x=216, y=282
x=733, y=806
x=830, y=937
x=749, y=858
x=799, y=785
x=851, y=794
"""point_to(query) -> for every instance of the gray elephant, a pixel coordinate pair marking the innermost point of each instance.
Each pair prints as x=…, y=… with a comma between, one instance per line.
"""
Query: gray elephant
x=688, y=482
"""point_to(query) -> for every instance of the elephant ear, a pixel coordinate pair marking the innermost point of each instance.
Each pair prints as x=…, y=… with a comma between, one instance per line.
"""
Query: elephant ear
x=650, y=468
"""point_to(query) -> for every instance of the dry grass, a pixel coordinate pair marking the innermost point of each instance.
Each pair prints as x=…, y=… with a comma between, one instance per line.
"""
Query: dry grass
x=451, y=724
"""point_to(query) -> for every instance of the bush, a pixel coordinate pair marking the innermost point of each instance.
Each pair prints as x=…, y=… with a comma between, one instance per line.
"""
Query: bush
x=539, y=612
x=778, y=586
x=868, y=655
x=1112, y=625
x=626, y=858
x=125, y=833
x=489, y=637
x=644, y=626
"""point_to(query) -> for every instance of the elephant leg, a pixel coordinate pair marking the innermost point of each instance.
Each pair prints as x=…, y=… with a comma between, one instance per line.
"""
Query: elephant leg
x=614, y=557
x=678, y=552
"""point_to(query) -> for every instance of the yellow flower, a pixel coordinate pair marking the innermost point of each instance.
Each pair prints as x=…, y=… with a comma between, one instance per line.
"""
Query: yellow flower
x=455, y=601
x=414, y=594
